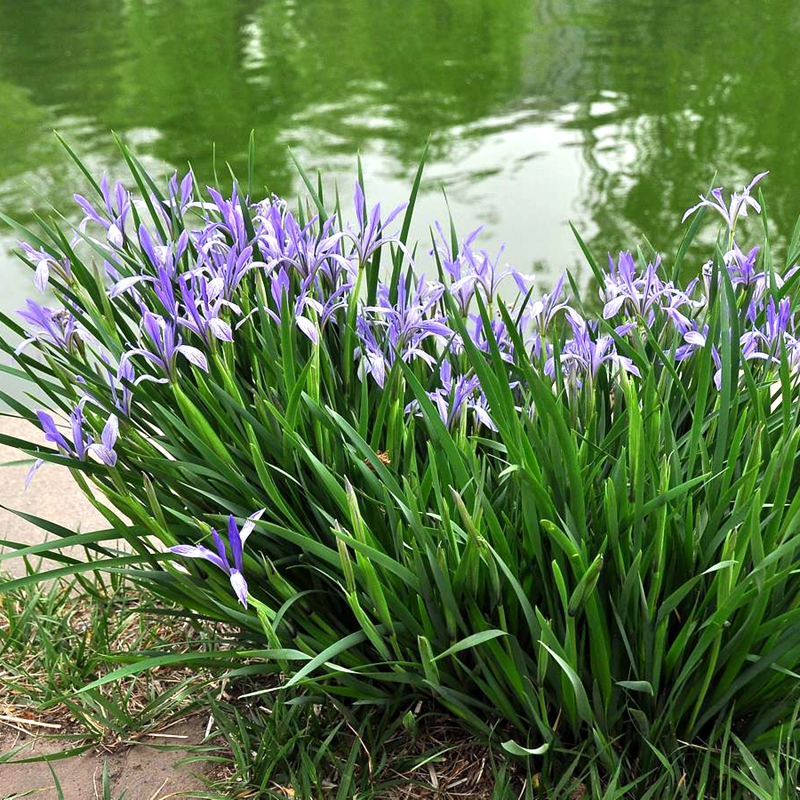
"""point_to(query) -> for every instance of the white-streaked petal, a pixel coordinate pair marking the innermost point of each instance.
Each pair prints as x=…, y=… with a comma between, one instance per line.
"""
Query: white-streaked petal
x=250, y=524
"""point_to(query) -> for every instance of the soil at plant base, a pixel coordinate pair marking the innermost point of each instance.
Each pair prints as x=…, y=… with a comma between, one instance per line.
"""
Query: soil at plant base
x=143, y=772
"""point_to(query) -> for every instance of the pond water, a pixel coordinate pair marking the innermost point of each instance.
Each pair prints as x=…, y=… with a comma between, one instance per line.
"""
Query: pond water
x=612, y=114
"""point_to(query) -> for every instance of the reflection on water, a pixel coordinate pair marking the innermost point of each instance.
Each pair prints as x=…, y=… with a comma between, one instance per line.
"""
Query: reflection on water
x=611, y=114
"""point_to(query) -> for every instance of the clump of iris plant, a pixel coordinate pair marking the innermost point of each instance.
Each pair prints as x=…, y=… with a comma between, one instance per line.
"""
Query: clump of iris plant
x=181, y=290
x=558, y=510
x=193, y=282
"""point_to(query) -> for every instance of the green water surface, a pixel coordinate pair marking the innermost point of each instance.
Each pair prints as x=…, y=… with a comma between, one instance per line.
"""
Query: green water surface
x=613, y=114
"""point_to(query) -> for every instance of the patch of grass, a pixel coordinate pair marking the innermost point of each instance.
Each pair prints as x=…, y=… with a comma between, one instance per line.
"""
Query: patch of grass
x=311, y=747
x=57, y=637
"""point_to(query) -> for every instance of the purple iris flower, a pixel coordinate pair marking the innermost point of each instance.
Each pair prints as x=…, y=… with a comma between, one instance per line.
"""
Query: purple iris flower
x=765, y=342
x=270, y=217
x=742, y=268
x=370, y=236
x=232, y=220
x=119, y=384
x=695, y=340
x=82, y=444
x=272, y=220
x=481, y=337
x=750, y=349
x=44, y=264
x=482, y=273
x=236, y=541
x=761, y=285
x=164, y=290
x=166, y=346
x=406, y=322
x=118, y=206
x=336, y=300
x=162, y=286
x=582, y=356
x=642, y=294
x=202, y=310
x=737, y=207
x=471, y=270
x=164, y=260
x=281, y=291
x=749, y=343
x=674, y=312
x=372, y=360
x=457, y=267
x=539, y=347
x=306, y=251
x=279, y=236
x=544, y=311
x=226, y=267
x=456, y=396
x=58, y=327
x=180, y=195
x=777, y=322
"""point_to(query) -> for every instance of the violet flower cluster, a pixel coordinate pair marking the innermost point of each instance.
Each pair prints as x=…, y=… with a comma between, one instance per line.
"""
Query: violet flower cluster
x=82, y=445
x=188, y=285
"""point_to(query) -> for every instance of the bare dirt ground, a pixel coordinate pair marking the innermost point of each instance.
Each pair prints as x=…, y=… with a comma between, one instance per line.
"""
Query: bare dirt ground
x=143, y=772
x=147, y=772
